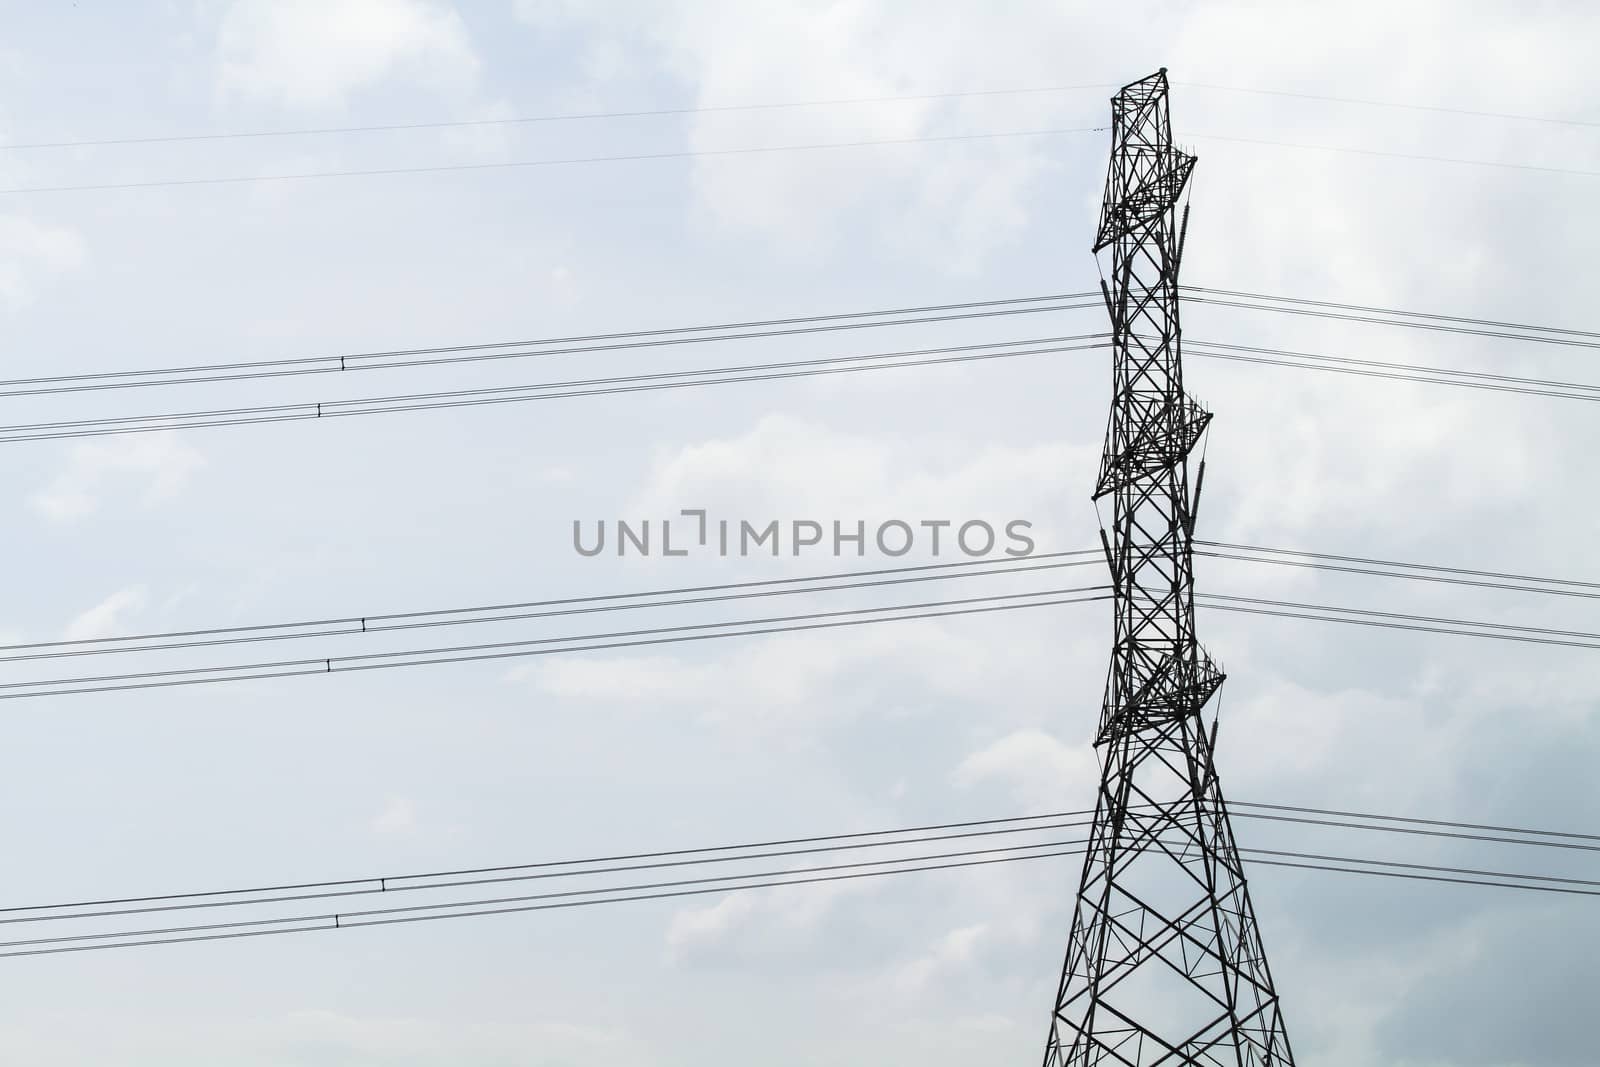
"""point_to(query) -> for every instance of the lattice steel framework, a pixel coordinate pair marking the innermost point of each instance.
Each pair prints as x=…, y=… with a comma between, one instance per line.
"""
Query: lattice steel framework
x=1165, y=964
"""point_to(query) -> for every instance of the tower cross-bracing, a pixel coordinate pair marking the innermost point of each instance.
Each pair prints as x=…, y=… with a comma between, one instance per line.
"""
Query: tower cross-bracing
x=1164, y=964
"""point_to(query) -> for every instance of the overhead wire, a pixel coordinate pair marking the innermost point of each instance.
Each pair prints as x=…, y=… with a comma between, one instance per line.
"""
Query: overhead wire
x=1546, y=335
x=1415, y=157
x=725, y=882
x=631, y=157
x=1411, y=571
x=533, y=609
x=1422, y=375
x=296, y=892
x=759, y=329
x=1394, y=104
x=524, y=120
x=703, y=109
x=1396, y=621
x=1334, y=305
x=542, y=646
x=256, y=671
x=544, y=902
x=830, y=322
x=623, y=862
x=807, y=875
x=1328, y=556
x=685, y=596
x=748, y=330
x=463, y=398
x=498, y=165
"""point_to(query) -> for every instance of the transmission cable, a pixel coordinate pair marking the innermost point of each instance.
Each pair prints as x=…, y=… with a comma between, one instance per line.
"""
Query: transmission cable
x=1538, y=635
x=722, y=854
x=839, y=581
x=1579, y=338
x=540, y=646
x=1552, y=120
x=307, y=411
x=703, y=109
x=523, y=120
x=1368, y=309
x=538, y=609
x=1396, y=621
x=676, y=335
x=1548, y=883
x=463, y=398
x=1393, y=563
x=579, y=344
x=1367, y=368
x=1409, y=156
x=734, y=882
x=629, y=157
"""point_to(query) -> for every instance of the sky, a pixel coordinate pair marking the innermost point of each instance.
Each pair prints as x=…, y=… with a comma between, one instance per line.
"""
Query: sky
x=299, y=779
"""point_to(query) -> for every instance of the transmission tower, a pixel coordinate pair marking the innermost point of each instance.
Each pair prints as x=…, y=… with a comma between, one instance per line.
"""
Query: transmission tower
x=1165, y=964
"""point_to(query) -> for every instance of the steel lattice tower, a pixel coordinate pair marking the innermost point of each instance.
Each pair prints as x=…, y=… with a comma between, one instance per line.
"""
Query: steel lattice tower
x=1165, y=964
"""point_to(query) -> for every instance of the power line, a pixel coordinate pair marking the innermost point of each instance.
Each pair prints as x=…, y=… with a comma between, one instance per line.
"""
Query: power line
x=296, y=892
x=307, y=411
x=635, y=157
x=794, y=326
x=820, y=323
x=385, y=917
x=1334, y=305
x=632, y=157
x=539, y=646
x=808, y=875
x=1393, y=563
x=1461, y=623
x=1498, y=828
x=1431, y=830
x=257, y=671
x=589, y=116
x=1389, y=621
x=1411, y=156
x=461, y=398
x=623, y=857
x=1312, y=564
x=1388, y=104
x=1548, y=336
x=536, y=609
x=181, y=902
x=1549, y=883
x=374, y=623
x=1400, y=372
x=580, y=344
x=524, y=120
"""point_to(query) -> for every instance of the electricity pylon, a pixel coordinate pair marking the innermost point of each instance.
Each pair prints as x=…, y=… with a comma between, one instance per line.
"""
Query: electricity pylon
x=1165, y=964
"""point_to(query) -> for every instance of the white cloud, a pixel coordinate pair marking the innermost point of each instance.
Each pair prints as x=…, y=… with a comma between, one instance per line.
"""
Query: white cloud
x=694, y=926
x=105, y=618
x=31, y=251
x=951, y=953
x=955, y=204
x=1041, y=772
x=161, y=462
x=786, y=467
x=369, y=1039
x=755, y=924
x=317, y=53
x=398, y=816
x=791, y=684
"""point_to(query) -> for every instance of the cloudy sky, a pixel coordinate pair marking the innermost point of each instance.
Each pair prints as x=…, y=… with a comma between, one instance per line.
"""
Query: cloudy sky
x=311, y=778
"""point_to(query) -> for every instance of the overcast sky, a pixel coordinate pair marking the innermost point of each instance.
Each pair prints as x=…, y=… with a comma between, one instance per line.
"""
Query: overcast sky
x=330, y=777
